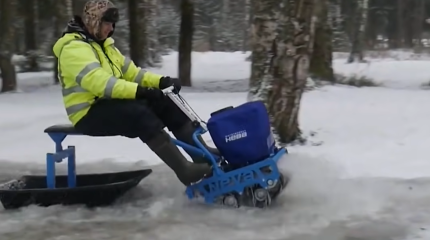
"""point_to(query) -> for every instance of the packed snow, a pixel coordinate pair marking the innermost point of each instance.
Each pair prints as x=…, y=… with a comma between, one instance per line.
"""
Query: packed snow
x=363, y=175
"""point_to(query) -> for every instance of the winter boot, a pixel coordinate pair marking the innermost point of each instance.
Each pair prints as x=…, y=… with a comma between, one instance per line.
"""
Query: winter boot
x=185, y=134
x=187, y=172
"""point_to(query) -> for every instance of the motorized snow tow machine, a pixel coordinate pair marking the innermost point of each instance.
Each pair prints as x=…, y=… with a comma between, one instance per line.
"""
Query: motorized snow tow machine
x=246, y=173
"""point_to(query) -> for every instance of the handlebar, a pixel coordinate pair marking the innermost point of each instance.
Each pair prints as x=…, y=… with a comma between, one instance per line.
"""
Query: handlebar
x=182, y=104
x=168, y=90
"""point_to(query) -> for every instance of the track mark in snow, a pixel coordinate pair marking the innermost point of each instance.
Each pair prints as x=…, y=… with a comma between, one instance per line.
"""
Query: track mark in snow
x=317, y=205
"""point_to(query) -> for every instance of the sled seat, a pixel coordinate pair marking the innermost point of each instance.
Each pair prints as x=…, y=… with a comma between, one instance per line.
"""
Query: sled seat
x=68, y=129
x=58, y=133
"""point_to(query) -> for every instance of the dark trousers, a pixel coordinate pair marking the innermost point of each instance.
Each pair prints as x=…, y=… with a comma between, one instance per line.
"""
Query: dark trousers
x=131, y=118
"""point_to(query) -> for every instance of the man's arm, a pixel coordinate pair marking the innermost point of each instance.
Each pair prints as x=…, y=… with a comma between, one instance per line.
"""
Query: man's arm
x=78, y=61
x=138, y=75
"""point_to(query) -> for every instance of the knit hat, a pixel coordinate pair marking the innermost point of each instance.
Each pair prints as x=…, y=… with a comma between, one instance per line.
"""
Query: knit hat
x=97, y=11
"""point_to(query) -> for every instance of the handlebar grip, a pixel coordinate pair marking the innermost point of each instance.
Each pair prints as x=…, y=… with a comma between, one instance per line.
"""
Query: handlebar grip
x=168, y=90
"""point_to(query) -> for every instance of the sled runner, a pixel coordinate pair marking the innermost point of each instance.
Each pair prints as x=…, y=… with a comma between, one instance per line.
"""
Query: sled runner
x=88, y=189
x=246, y=173
x=91, y=189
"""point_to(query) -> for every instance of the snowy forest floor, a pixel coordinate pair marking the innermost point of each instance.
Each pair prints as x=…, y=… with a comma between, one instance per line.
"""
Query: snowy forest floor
x=368, y=180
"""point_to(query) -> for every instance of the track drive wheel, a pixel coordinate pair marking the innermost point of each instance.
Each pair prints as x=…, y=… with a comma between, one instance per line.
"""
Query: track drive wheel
x=231, y=200
x=261, y=198
x=278, y=186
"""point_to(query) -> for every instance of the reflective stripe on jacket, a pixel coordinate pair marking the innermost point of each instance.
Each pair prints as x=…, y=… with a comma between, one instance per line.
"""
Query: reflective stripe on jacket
x=87, y=73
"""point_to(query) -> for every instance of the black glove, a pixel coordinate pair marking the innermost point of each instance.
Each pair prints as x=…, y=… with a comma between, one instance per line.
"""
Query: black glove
x=149, y=93
x=166, y=82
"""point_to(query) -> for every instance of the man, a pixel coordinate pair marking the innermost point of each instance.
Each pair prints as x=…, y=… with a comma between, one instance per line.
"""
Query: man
x=105, y=94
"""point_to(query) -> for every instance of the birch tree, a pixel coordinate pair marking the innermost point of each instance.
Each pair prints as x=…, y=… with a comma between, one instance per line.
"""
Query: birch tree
x=264, y=25
x=283, y=36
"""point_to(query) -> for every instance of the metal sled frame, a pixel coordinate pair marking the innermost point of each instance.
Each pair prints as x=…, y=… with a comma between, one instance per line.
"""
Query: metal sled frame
x=57, y=157
x=222, y=183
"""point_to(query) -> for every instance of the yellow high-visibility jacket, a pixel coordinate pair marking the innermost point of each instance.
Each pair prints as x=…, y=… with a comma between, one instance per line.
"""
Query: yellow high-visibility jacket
x=87, y=73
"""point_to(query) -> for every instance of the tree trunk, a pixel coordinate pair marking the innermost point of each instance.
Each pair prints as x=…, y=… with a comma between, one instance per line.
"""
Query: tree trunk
x=186, y=42
x=134, y=34
x=340, y=40
x=408, y=22
x=291, y=66
x=400, y=24
x=8, y=12
x=30, y=26
x=224, y=27
x=362, y=30
x=264, y=23
x=77, y=6
x=283, y=41
x=143, y=46
x=418, y=25
x=63, y=13
x=245, y=37
x=359, y=36
x=321, y=67
x=154, y=49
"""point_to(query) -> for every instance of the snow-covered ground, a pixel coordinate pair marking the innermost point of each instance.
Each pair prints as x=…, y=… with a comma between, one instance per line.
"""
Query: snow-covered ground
x=368, y=180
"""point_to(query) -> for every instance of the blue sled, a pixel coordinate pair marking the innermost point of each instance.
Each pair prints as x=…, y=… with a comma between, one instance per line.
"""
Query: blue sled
x=235, y=181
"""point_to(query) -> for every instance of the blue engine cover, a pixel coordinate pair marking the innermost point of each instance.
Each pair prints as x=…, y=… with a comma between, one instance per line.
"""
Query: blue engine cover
x=242, y=134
